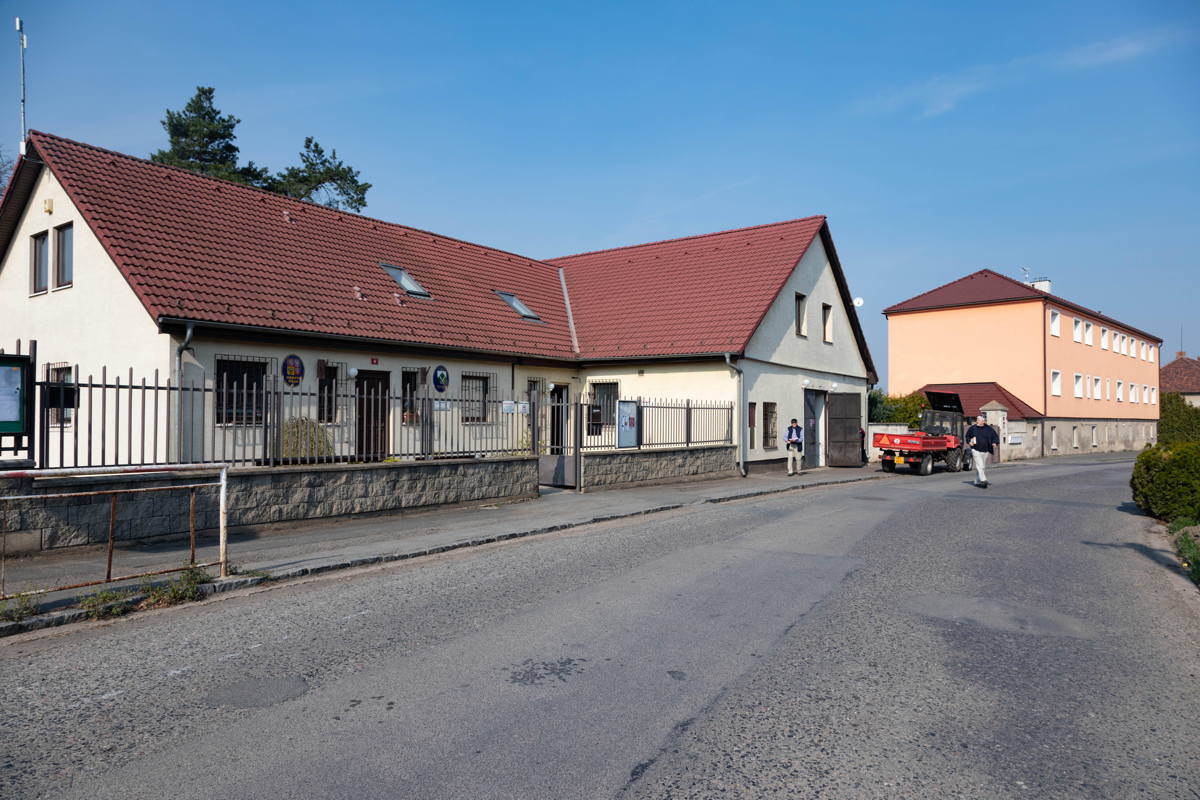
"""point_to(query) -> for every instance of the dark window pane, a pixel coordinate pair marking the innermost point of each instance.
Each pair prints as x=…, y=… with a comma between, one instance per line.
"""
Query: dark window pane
x=475, y=390
x=64, y=255
x=241, y=391
x=41, y=262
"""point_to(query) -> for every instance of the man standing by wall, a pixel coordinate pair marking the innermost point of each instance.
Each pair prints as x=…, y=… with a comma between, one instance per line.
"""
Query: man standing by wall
x=983, y=441
x=795, y=446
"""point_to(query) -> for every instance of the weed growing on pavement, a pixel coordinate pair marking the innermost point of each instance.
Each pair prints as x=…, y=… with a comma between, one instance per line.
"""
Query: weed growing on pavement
x=184, y=589
x=18, y=608
x=238, y=569
x=1189, y=554
x=106, y=603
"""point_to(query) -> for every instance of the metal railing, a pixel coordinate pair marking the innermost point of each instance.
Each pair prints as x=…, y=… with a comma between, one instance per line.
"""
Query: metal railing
x=661, y=423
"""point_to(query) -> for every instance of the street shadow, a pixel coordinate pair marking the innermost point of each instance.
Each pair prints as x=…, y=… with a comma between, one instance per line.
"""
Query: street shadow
x=1159, y=555
x=1130, y=507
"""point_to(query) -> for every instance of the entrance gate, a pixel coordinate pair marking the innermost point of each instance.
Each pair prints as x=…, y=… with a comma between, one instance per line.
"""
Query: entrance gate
x=557, y=432
x=845, y=420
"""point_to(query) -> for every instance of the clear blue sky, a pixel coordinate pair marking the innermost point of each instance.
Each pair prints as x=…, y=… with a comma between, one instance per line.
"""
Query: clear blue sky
x=938, y=138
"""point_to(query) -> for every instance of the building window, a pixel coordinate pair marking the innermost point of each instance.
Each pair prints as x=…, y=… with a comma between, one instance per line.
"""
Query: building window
x=1150, y=353
x=1145, y=393
x=1154, y=395
x=1124, y=345
x=410, y=379
x=1108, y=389
x=1133, y=392
x=1120, y=391
x=801, y=316
x=1096, y=388
x=475, y=398
x=1133, y=348
x=827, y=321
x=1077, y=329
x=1078, y=385
x=327, y=391
x=1104, y=338
x=241, y=390
x=1075, y=436
x=518, y=306
x=1087, y=333
x=1056, y=383
x=61, y=399
x=407, y=282
x=1054, y=322
x=1053, y=437
x=64, y=255
x=1095, y=437
x=769, y=432
x=751, y=420
x=39, y=253
x=1144, y=350
x=603, y=410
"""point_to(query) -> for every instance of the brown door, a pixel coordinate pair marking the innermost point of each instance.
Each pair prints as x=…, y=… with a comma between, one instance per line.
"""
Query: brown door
x=372, y=404
x=845, y=419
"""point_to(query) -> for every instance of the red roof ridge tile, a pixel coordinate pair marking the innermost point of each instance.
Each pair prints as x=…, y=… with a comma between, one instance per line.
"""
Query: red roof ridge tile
x=304, y=205
x=556, y=259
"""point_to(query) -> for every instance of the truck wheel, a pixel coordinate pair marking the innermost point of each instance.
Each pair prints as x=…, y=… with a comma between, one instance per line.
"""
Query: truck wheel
x=926, y=467
x=888, y=466
x=954, y=460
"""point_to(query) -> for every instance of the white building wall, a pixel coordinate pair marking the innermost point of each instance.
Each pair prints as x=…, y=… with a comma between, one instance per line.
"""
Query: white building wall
x=95, y=322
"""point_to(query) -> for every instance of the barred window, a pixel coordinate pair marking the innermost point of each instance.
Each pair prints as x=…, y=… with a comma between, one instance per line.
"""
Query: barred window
x=328, y=375
x=61, y=397
x=475, y=398
x=241, y=390
x=770, y=423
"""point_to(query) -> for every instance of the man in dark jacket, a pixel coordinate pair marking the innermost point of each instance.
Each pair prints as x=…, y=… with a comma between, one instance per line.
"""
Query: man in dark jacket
x=983, y=441
x=795, y=446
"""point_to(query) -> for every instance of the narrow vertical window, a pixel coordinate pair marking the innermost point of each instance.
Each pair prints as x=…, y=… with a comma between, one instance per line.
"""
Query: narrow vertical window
x=801, y=316
x=1104, y=338
x=1055, y=322
x=475, y=398
x=751, y=420
x=64, y=255
x=1077, y=330
x=1078, y=385
x=1087, y=334
x=827, y=321
x=39, y=253
x=769, y=432
x=1056, y=383
x=327, y=377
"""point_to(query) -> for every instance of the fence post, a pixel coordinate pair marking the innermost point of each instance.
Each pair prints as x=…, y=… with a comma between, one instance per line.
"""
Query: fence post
x=688, y=421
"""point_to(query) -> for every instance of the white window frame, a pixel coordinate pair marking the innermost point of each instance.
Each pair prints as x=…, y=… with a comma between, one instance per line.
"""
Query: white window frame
x=1154, y=395
x=1055, y=322
x=1108, y=388
x=1150, y=354
x=1133, y=392
x=827, y=322
x=1133, y=348
x=1078, y=384
x=1097, y=387
x=1053, y=437
x=1104, y=338
x=1087, y=334
x=1075, y=437
x=1095, y=438
x=1077, y=329
x=1056, y=382
x=1120, y=391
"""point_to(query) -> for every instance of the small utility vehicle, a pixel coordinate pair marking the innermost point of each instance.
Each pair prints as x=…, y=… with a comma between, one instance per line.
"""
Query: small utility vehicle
x=940, y=438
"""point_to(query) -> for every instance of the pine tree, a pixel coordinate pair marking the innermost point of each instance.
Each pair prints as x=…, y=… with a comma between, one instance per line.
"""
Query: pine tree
x=203, y=140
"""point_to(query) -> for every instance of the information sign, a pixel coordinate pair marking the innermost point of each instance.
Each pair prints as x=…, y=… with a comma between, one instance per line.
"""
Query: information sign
x=627, y=423
x=293, y=370
x=16, y=395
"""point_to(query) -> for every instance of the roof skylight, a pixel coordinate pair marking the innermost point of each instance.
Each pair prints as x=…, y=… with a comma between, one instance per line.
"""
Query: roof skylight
x=407, y=282
x=517, y=306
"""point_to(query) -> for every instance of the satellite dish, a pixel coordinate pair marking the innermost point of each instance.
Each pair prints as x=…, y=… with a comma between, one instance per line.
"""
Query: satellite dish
x=858, y=301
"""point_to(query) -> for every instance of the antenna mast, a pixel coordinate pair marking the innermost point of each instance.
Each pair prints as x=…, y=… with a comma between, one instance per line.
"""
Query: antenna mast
x=21, y=44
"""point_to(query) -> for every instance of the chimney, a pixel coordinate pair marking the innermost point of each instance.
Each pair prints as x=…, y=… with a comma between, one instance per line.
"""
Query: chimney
x=1180, y=354
x=1041, y=284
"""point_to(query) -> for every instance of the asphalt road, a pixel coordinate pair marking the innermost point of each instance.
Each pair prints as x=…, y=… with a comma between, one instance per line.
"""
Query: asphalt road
x=915, y=637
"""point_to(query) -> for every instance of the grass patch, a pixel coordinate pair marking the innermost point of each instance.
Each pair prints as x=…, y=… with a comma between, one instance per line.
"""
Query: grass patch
x=1189, y=554
x=18, y=608
x=106, y=603
x=1181, y=523
x=238, y=569
x=184, y=589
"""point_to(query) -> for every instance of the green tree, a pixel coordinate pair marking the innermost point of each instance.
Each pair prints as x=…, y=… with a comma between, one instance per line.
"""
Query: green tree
x=202, y=139
x=906, y=408
x=1177, y=421
x=879, y=406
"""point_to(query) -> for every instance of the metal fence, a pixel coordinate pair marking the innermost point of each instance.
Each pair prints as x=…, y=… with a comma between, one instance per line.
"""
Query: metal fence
x=120, y=420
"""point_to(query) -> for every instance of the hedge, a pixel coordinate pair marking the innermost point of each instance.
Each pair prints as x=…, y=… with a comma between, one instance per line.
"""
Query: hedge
x=1178, y=421
x=1166, y=480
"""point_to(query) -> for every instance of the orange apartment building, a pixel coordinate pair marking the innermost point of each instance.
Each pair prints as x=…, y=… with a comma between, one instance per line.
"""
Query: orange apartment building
x=1091, y=380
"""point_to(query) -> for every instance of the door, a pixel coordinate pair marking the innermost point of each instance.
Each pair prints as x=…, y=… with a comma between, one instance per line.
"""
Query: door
x=845, y=420
x=371, y=389
x=814, y=427
x=558, y=464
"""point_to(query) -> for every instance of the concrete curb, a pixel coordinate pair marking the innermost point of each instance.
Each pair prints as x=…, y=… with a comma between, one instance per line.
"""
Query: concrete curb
x=222, y=585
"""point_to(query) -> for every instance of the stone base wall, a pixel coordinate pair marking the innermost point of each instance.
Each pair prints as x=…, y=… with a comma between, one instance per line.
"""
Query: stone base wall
x=623, y=467
x=256, y=496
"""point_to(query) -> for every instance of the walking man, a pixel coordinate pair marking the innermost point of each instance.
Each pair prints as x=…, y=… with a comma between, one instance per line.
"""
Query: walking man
x=795, y=446
x=983, y=441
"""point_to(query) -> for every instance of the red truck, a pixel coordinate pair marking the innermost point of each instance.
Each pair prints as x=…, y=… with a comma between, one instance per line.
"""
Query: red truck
x=940, y=438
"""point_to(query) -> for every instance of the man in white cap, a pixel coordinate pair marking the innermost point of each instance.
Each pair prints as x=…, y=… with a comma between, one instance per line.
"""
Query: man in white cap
x=983, y=441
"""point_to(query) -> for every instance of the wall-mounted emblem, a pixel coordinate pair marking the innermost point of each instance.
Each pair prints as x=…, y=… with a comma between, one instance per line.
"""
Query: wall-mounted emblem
x=293, y=370
x=441, y=378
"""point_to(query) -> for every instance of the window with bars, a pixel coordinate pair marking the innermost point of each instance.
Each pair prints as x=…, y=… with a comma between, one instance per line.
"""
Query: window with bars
x=770, y=431
x=328, y=389
x=603, y=410
x=61, y=395
x=475, y=398
x=241, y=390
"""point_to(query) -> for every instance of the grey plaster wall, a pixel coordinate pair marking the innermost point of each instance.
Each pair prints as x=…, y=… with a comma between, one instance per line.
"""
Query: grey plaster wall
x=622, y=467
x=256, y=496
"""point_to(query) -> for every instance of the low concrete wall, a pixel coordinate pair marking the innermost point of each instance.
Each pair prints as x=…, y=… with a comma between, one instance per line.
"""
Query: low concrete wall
x=623, y=467
x=257, y=496
x=873, y=453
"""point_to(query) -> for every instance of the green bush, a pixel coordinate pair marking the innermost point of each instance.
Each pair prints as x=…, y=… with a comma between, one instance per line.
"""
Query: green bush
x=304, y=439
x=906, y=408
x=1177, y=421
x=1166, y=480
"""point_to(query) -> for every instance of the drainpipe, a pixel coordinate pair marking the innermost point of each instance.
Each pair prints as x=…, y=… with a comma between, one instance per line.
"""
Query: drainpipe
x=186, y=344
x=741, y=405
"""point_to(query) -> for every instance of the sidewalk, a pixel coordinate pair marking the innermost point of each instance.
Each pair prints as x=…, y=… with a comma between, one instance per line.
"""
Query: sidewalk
x=289, y=550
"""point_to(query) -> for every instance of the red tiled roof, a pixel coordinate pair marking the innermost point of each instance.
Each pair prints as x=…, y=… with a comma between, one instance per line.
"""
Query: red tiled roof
x=974, y=396
x=987, y=286
x=1181, y=376
x=200, y=249
x=698, y=294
